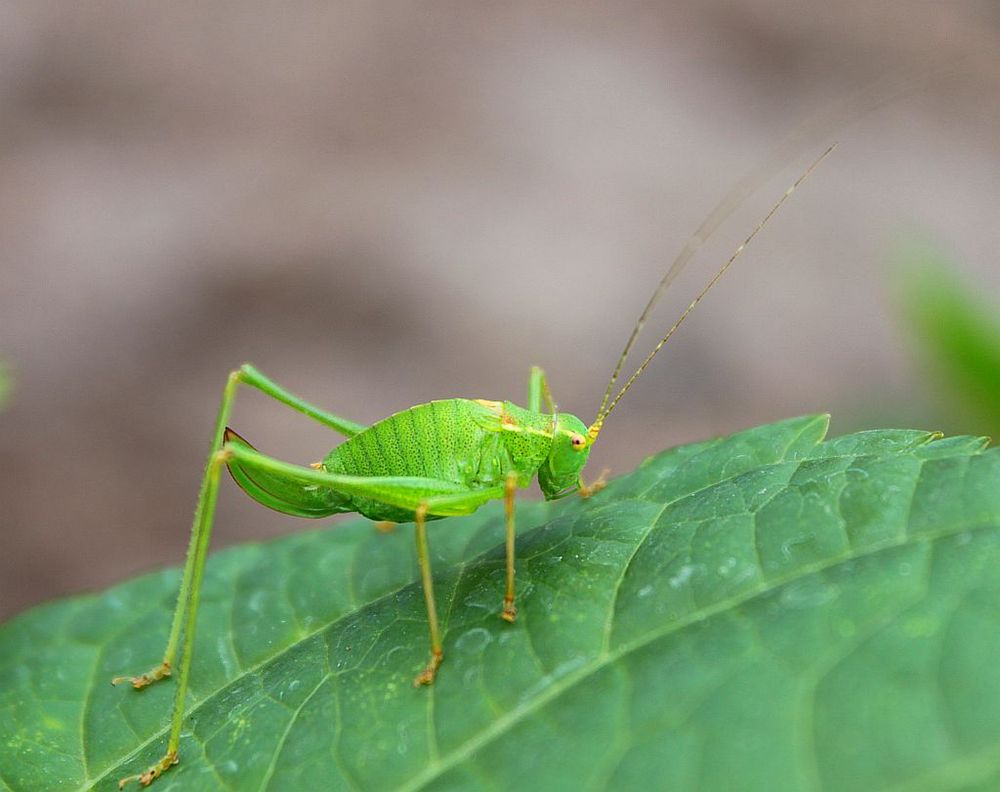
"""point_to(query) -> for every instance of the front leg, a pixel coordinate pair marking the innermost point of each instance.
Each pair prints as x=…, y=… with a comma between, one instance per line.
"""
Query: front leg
x=586, y=490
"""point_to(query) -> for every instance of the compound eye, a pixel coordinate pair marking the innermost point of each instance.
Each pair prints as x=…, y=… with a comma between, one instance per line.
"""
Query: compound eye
x=578, y=441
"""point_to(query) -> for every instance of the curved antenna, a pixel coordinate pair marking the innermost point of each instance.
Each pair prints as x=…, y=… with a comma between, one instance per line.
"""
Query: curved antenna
x=729, y=203
x=839, y=114
x=606, y=408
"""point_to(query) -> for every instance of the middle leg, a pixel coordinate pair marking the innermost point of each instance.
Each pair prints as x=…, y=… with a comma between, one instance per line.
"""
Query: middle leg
x=509, y=612
x=426, y=497
x=426, y=677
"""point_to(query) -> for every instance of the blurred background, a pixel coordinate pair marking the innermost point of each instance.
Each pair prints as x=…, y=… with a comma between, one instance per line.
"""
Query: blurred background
x=381, y=204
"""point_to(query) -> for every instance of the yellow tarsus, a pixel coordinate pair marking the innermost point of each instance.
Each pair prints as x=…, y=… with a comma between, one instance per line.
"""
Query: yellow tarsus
x=153, y=772
x=144, y=680
x=426, y=677
x=596, y=486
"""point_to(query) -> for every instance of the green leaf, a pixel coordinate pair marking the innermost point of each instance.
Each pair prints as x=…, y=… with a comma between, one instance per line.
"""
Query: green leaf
x=762, y=612
x=5, y=384
x=957, y=334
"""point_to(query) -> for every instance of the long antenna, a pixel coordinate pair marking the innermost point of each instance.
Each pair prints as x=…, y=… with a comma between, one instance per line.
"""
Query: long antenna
x=832, y=116
x=606, y=408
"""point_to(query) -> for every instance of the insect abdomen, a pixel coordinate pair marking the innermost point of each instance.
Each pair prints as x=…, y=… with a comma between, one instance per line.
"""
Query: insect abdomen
x=443, y=439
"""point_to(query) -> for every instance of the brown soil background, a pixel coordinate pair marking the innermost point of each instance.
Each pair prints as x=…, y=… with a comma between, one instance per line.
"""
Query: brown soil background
x=384, y=203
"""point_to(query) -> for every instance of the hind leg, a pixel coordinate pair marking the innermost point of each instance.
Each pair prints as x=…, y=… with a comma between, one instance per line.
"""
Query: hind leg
x=186, y=609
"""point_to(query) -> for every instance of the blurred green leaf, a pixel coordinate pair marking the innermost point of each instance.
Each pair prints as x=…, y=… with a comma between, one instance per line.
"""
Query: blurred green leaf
x=957, y=334
x=5, y=384
x=767, y=611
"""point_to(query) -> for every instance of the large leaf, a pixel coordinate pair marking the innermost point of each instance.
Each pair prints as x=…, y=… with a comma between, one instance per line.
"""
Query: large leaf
x=767, y=611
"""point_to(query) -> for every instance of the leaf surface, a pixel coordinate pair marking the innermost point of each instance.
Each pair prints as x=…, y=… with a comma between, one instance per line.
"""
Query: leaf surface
x=766, y=611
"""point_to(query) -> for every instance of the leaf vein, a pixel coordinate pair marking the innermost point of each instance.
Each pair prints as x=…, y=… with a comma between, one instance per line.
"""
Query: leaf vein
x=280, y=745
x=505, y=723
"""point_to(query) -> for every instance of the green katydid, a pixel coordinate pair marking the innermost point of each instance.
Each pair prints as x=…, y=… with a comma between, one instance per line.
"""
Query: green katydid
x=434, y=460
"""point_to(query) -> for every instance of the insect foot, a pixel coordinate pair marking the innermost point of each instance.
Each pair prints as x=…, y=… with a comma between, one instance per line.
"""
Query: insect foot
x=509, y=612
x=426, y=677
x=154, y=772
x=144, y=680
x=592, y=489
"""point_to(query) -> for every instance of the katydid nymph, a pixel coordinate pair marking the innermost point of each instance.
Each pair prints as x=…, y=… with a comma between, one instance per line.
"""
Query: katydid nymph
x=433, y=460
